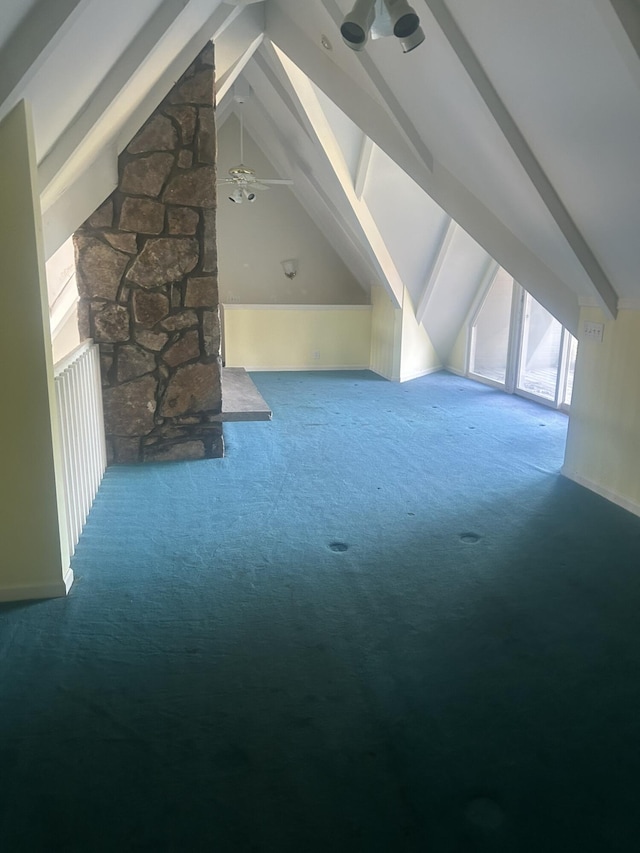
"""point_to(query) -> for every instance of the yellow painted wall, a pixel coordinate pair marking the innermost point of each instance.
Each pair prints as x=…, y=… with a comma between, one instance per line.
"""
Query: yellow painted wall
x=386, y=334
x=30, y=506
x=418, y=356
x=603, y=444
x=297, y=337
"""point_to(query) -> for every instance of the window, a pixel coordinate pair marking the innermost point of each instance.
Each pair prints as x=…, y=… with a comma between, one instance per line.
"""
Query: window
x=519, y=346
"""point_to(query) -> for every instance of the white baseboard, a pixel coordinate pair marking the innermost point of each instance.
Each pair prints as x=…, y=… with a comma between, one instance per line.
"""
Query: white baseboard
x=619, y=500
x=302, y=368
x=418, y=373
x=33, y=591
x=455, y=371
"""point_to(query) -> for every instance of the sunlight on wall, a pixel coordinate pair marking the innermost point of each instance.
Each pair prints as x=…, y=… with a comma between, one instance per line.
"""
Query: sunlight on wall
x=297, y=337
x=603, y=444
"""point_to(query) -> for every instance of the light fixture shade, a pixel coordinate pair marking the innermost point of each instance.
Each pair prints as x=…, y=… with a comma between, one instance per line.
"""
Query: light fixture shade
x=357, y=23
x=249, y=195
x=405, y=24
x=236, y=196
x=416, y=38
x=290, y=267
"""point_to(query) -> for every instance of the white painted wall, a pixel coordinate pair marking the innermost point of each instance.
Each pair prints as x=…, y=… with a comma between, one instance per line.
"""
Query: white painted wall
x=253, y=239
x=418, y=355
x=408, y=220
x=386, y=334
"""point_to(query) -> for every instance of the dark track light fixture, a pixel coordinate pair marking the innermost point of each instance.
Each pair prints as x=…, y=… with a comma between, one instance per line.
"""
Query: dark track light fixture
x=357, y=24
x=405, y=23
x=386, y=17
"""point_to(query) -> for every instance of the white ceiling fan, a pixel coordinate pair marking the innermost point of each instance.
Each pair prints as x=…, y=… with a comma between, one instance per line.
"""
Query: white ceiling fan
x=243, y=182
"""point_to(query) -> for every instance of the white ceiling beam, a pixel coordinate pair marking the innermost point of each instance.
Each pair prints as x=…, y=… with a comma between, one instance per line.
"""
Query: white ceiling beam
x=628, y=12
x=602, y=287
x=340, y=232
x=236, y=46
x=35, y=39
x=622, y=20
x=112, y=129
x=367, y=113
x=396, y=110
x=266, y=61
x=325, y=138
x=439, y=258
x=107, y=92
x=443, y=187
x=364, y=164
x=79, y=200
x=226, y=78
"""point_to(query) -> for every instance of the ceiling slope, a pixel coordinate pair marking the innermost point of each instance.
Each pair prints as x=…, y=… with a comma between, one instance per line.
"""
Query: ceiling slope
x=520, y=121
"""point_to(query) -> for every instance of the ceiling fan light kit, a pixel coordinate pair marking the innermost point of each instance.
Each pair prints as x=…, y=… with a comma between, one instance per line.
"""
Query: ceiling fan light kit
x=242, y=180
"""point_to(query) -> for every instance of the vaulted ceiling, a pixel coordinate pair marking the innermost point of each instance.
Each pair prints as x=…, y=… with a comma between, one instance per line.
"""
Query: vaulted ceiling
x=510, y=136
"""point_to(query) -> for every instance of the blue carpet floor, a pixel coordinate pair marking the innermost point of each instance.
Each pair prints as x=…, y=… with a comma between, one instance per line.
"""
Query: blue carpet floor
x=383, y=622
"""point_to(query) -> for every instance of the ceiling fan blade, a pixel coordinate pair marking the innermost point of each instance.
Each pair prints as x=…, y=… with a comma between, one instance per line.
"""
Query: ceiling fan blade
x=282, y=182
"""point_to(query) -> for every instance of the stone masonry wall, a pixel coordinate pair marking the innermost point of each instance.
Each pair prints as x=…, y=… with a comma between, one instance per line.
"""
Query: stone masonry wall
x=146, y=266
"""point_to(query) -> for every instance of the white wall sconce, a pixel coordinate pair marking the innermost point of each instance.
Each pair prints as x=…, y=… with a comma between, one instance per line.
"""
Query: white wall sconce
x=290, y=267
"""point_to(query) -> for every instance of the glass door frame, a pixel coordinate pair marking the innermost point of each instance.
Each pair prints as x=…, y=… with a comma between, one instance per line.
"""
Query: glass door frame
x=514, y=322
x=515, y=352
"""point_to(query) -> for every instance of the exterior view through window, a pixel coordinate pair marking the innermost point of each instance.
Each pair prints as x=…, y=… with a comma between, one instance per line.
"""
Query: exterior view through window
x=517, y=345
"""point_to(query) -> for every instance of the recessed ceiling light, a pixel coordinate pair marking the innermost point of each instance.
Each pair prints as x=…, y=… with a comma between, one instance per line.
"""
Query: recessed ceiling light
x=326, y=44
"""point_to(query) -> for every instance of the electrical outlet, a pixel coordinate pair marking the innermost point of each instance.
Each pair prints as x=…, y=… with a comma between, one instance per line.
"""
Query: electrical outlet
x=593, y=331
x=316, y=355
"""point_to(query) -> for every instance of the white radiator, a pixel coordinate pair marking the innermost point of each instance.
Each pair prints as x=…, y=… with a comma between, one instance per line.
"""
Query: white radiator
x=79, y=396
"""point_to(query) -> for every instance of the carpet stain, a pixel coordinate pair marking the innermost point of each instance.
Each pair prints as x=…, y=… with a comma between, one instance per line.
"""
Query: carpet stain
x=470, y=538
x=338, y=547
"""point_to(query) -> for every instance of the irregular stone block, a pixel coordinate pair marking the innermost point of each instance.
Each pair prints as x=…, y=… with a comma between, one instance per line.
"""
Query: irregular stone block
x=111, y=325
x=84, y=319
x=178, y=322
x=123, y=242
x=134, y=362
x=185, y=159
x=149, y=308
x=180, y=452
x=186, y=349
x=202, y=292
x=196, y=188
x=193, y=388
x=142, y=215
x=198, y=89
x=146, y=175
x=182, y=220
x=106, y=363
x=99, y=268
x=151, y=340
x=129, y=408
x=126, y=451
x=103, y=217
x=163, y=260
x=158, y=134
x=211, y=332
x=210, y=255
x=176, y=296
x=186, y=118
x=207, y=55
x=206, y=139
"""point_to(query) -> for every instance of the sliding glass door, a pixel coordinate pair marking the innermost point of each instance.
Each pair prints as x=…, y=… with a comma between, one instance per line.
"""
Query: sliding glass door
x=518, y=345
x=489, y=350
